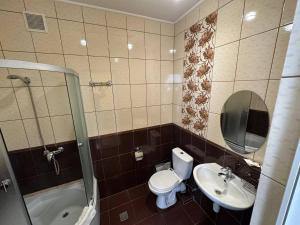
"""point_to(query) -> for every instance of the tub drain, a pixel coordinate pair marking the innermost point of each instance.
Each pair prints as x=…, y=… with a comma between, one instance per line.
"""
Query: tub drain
x=65, y=214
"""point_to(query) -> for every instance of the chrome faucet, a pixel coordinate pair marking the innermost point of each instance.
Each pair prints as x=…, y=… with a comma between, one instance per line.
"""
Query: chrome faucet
x=51, y=155
x=227, y=173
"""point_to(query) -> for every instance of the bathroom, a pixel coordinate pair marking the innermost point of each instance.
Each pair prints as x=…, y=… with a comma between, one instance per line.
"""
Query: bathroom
x=123, y=112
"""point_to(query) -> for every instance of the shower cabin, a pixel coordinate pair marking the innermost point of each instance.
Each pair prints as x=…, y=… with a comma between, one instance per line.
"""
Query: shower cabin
x=52, y=180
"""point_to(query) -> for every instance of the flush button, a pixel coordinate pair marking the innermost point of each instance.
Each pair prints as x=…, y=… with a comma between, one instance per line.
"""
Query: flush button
x=181, y=153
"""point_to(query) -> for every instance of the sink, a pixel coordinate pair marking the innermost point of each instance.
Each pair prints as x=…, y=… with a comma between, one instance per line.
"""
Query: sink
x=235, y=194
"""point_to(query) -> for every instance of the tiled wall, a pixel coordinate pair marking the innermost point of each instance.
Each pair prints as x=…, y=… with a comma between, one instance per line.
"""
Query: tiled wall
x=142, y=74
x=249, y=54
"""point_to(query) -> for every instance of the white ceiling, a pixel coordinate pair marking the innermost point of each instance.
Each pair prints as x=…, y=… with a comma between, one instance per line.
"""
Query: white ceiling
x=167, y=10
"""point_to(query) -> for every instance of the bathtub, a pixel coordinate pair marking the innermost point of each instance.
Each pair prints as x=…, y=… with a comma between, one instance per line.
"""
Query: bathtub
x=63, y=205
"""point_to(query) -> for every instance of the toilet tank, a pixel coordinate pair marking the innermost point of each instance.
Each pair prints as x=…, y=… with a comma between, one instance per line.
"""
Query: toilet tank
x=182, y=163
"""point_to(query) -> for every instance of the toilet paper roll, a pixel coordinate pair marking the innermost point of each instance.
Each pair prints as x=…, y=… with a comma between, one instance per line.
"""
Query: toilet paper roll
x=138, y=155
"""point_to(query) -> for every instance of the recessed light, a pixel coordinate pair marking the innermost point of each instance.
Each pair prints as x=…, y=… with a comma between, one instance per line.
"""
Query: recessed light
x=83, y=42
x=250, y=16
x=172, y=51
x=130, y=46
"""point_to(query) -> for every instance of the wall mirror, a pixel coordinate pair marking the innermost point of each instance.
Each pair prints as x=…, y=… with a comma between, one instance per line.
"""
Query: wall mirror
x=245, y=122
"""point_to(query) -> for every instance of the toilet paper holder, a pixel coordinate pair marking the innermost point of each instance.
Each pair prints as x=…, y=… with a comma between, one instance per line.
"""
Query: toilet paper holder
x=138, y=154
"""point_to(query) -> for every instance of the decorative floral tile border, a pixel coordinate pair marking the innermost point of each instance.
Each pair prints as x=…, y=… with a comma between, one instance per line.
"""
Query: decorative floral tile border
x=198, y=65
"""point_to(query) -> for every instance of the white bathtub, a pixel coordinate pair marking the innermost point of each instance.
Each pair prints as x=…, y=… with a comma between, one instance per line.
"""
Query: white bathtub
x=63, y=205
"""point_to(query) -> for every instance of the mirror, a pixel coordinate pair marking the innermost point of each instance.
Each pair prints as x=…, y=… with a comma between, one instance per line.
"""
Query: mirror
x=245, y=122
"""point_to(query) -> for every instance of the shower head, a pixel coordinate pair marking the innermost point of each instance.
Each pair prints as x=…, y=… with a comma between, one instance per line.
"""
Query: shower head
x=26, y=80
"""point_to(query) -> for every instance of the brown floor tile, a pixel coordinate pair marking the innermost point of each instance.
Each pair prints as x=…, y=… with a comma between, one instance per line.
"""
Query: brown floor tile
x=104, y=218
x=177, y=216
x=144, y=207
x=196, y=213
x=156, y=219
x=138, y=191
x=118, y=199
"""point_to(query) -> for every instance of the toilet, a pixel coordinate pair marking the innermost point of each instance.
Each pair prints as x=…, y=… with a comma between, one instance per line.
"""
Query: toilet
x=166, y=183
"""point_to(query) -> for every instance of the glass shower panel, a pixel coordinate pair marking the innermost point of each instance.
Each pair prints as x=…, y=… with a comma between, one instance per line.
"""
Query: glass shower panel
x=237, y=110
x=81, y=133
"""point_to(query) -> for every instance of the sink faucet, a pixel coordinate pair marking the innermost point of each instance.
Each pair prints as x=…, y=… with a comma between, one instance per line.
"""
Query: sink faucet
x=227, y=172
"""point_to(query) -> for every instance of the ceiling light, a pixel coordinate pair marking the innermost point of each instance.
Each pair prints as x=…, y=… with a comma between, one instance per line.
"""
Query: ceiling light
x=250, y=16
x=288, y=28
x=172, y=51
x=83, y=42
x=130, y=46
x=116, y=60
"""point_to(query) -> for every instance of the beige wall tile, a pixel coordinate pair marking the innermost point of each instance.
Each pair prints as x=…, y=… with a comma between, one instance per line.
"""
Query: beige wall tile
x=87, y=98
x=25, y=104
x=267, y=15
x=153, y=94
x=103, y=98
x=166, y=92
x=122, y=96
x=271, y=95
x=229, y=22
x=214, y=132
x=117, y=40
x=137, y=71
x=136, y=44
x=179, y=46
x=12, y=5
x=94, y=16
x=4, y=82
x=124, y=119
x=192, y=17
x=33, y=136
x=207, y=7
x=91, y=123
x=166, y=71
x=119, y=71
x=223, y=2
x=153, y=71
x=177, y=94
x=14, y=35
x=288, y=11
x=255, y=56
x=135, y=23
x=57, y=100
x=167, y=46
x=11, y=130
x=106, y=122
x=48, y=42
x=100, y=69
x=45, y=7
x=284, y=131
x=280, y=52
x=166, y=114
x=139, y=116
x=167, y=29
x=81, y=65
x=225, y=62
x=68, y=11
x=176, y=115
x=153, y=115
x=268, y=200
x=220, y=92
x=71, y=35
x=152, y=26
x=115, y=19
x=96, y=37
x=260, y=154
x=63, y=128
x=33, y=75
x=259, y=87
x=152, y=45
x=138, y=95
x=8, y=105
x=178, y=71
x=180, y=26
x=52, y=78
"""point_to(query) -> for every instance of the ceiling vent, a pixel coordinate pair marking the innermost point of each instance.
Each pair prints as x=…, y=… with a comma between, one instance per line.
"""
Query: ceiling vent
x=35, y=22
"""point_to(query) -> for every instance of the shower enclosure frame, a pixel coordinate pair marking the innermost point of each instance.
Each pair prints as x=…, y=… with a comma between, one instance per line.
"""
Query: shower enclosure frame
x=75, y=98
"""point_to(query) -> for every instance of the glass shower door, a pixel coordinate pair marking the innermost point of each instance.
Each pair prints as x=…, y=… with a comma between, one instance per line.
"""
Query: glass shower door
x=81, y=133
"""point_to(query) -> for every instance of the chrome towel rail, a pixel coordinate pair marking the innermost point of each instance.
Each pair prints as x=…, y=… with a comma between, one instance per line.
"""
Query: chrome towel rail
x=94, y=84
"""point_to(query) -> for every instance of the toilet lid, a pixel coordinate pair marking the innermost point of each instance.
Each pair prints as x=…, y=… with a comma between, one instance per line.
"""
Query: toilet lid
x=164, y=180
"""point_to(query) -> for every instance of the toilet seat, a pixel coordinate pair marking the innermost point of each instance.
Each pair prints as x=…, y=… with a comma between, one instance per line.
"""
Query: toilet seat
x=164, y=181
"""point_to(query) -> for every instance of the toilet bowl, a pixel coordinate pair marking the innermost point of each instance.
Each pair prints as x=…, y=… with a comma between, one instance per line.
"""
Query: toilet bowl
x=166, y=183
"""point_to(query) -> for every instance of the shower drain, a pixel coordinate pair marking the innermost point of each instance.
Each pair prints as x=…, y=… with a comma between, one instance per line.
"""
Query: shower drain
x=65, y=214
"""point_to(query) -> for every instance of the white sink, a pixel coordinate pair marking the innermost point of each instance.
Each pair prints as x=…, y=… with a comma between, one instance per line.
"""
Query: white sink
x=231, y=195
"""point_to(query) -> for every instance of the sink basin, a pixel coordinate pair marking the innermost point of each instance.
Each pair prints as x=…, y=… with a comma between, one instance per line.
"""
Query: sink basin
x=233, y=195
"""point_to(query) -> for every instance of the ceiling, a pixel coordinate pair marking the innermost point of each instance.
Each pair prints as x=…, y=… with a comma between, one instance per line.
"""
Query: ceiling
x=167, y=10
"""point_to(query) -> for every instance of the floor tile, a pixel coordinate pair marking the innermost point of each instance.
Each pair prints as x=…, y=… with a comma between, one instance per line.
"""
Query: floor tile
x=114, y=215
x=156, y=219
x=144, y=207
x=118, y=199
x=138, y=191
x=195, y=213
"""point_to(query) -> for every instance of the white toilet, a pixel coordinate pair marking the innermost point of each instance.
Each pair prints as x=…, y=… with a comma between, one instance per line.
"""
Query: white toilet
x=166, y=183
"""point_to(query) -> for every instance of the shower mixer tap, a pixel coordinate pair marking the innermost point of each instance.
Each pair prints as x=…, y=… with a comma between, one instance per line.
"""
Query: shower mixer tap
x=51, y=155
